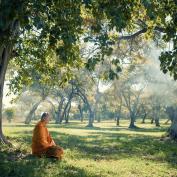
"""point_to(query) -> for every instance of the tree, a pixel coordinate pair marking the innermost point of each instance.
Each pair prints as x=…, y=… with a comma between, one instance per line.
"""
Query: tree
x=80, y=92
x=43, y=94
x=143, y=111
x=59, y=30
x=132, y=102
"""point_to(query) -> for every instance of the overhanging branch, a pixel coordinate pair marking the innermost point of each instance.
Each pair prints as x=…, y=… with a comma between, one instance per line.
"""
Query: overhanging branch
x=144, y=30
x=127, y=37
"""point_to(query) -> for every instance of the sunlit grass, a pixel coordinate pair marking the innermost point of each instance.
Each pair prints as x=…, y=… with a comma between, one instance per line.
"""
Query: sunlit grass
x=105, y=150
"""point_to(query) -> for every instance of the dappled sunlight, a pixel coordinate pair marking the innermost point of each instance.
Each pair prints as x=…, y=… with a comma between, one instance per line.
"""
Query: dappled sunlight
x=104, y=142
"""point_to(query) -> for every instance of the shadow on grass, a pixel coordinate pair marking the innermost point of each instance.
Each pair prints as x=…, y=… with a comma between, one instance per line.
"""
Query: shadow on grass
x=35, y=167
x=83, y=126
x=19, y=125
x=107, y=145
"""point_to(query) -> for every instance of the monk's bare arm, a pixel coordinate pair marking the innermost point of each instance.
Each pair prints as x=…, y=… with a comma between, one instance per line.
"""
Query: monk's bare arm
x=51, y=140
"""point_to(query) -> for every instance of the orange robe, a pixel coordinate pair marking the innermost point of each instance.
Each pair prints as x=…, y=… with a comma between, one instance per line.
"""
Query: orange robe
x=43, y=144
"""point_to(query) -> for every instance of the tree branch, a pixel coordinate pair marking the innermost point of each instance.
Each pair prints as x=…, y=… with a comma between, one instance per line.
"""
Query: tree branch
x=127, y=37
x=133, y=35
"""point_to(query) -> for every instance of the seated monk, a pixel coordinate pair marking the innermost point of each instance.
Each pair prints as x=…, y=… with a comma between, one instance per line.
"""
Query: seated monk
x=42, y=142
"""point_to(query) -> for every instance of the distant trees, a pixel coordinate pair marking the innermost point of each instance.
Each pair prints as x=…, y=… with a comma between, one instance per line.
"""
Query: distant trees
x=156, y=108
x=9, y=113
x=144, y=111
x=42, y=91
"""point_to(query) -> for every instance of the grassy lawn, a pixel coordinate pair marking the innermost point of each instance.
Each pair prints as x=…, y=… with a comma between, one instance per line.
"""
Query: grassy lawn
x=102, y=151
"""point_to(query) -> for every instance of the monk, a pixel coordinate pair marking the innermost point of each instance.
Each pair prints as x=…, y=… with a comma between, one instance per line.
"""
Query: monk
x=42, y=142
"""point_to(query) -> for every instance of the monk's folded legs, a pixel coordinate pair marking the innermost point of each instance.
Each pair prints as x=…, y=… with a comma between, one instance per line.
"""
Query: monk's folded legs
x=55, y=151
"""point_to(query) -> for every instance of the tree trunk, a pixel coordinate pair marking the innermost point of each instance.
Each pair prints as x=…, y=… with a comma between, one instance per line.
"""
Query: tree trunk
x=64, y=114
x=118, y=114
x=91, y=113
x=168, y=120
x=132, y=121
x=117, y=119
x=58, y=118
x=7, y=35
x=67, y=104
x=156, y=116
x=98, y=118
x=144, y=117
x=67, y=114
x=170, y=111
x=157, y=124
x=97, y=96
x=81, y=113
x=30, y=114
x=173, y=128
x=91, y=118
x=4, y=60
x=152, y=120
x=85, y=100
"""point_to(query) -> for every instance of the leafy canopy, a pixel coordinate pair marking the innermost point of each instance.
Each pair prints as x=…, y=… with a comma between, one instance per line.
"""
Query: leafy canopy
x=52, y=28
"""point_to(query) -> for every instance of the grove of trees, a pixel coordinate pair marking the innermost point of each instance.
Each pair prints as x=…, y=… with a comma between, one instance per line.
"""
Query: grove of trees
x=68, y=47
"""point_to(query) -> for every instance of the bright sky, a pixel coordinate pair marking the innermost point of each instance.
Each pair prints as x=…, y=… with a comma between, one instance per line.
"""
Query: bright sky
x=103, y=87
x=7, y=99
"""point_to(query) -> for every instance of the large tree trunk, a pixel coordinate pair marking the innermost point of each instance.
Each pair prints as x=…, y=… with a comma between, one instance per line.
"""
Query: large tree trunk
x=132, y=120
x=6, y=34
x=31, y=113
x=132, y=123
x=157, y=124
x=173, y=127
x=170, y=111
x=4, y=59
x=91, y=118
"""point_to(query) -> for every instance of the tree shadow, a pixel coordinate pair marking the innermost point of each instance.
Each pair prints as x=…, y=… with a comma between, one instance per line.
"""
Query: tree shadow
x=116, y=146
x=156, y=129
x=19, y=125
x=100, y=145
x=35, y=167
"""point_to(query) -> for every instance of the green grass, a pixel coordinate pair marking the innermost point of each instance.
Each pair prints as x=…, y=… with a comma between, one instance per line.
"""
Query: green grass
x=102, y=151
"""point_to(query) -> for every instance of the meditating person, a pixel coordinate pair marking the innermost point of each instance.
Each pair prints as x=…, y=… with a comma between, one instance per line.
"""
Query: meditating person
x=42, y=142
